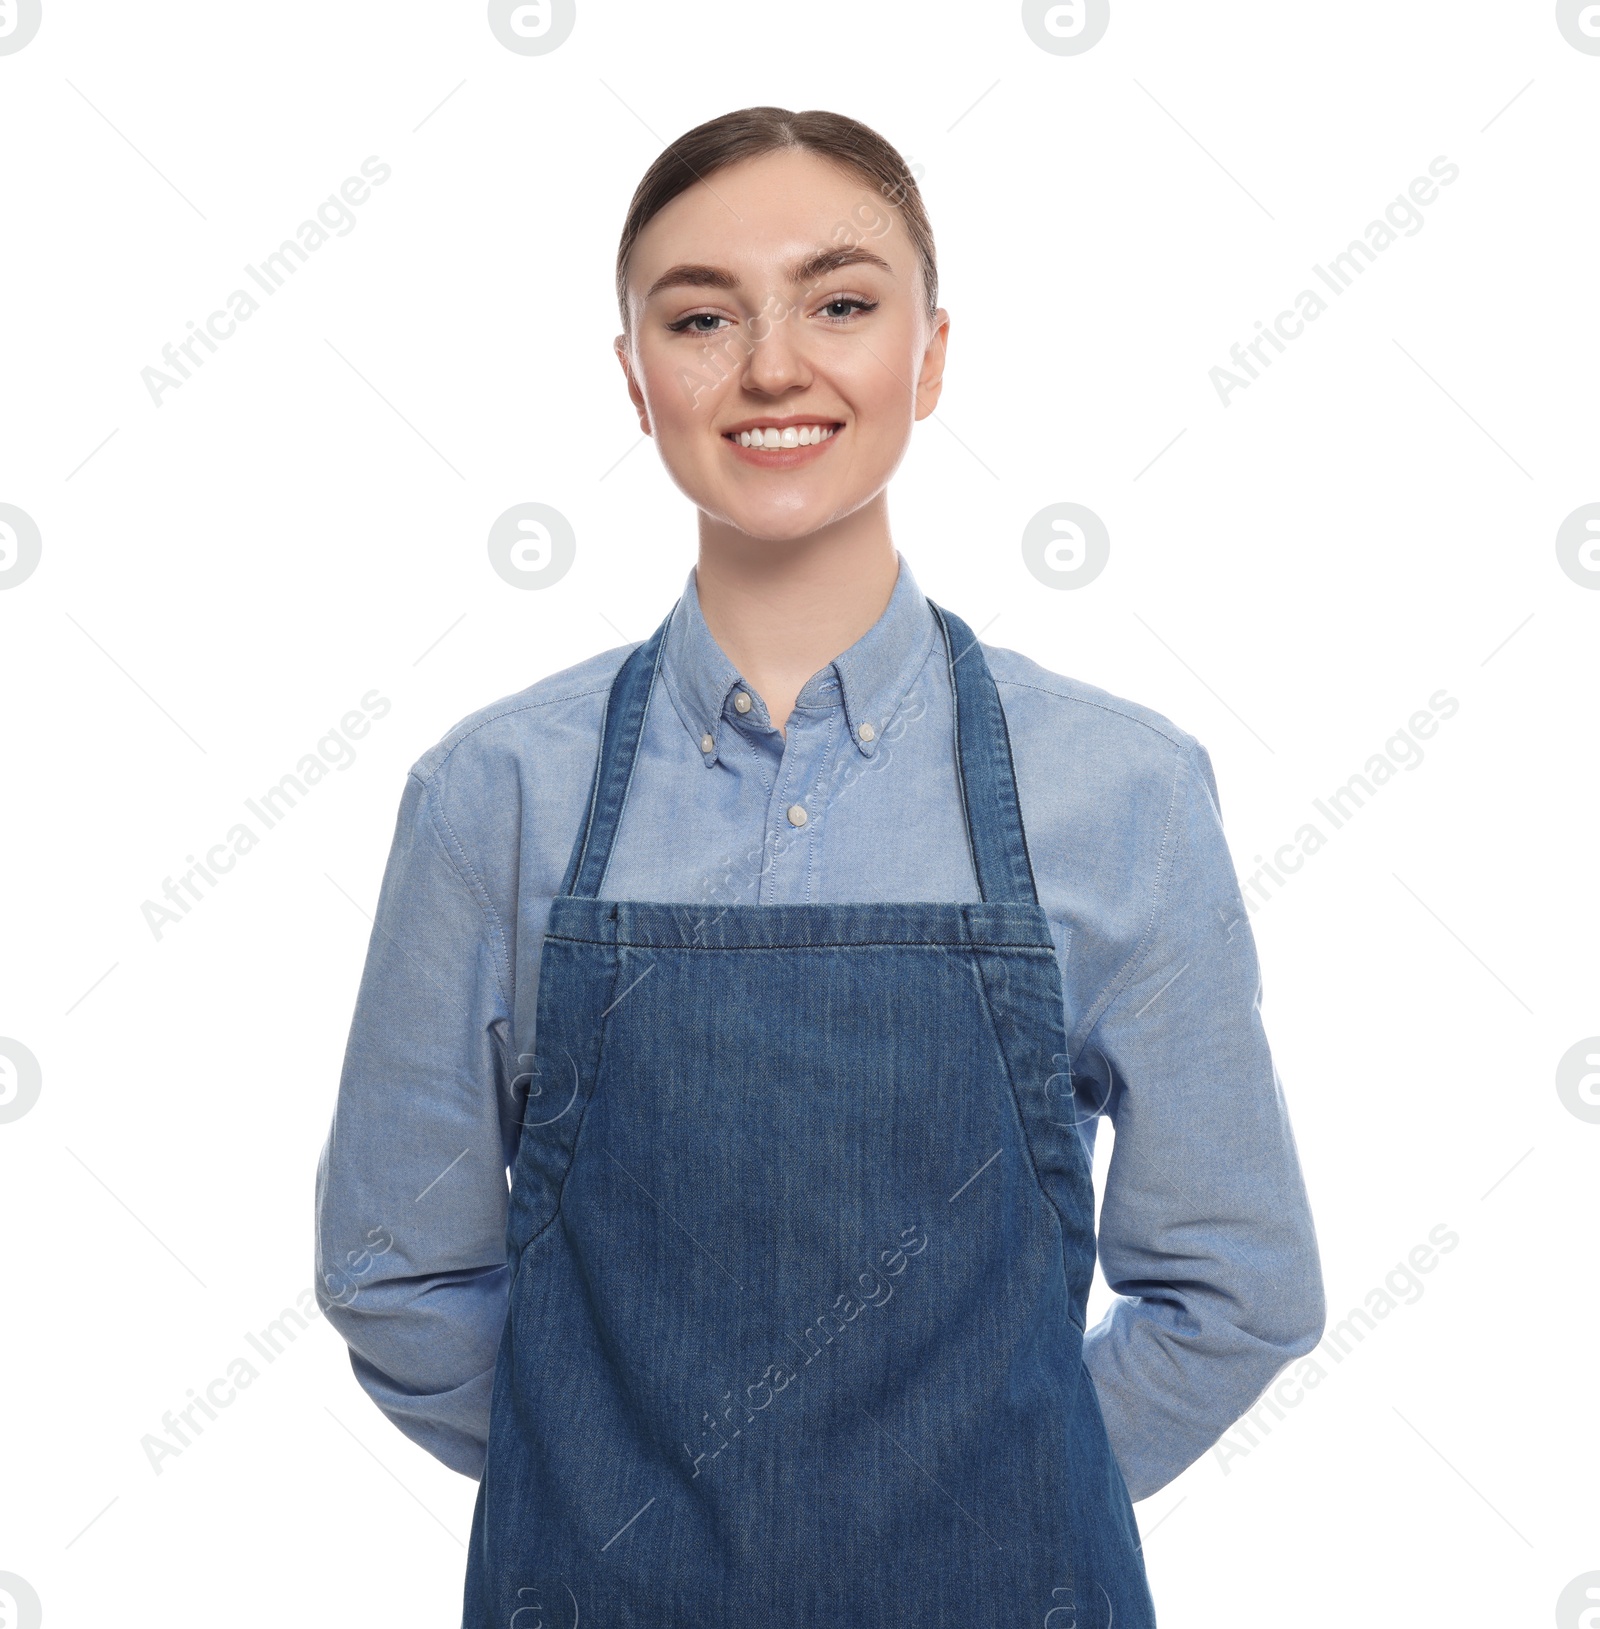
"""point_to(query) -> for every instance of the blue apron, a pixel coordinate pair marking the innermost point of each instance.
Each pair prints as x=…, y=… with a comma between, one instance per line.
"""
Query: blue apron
x=801, y=1235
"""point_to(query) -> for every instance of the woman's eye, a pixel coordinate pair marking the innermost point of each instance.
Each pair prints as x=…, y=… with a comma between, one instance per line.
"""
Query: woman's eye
x=838, y=313
x=851, y=303
x=687, y=324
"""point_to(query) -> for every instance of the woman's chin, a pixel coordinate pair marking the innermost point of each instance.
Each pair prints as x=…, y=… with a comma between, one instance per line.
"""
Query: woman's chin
x=773, y=521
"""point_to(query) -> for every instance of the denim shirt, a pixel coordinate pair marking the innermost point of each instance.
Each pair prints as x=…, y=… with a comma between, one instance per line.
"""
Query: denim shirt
x=1205, y=1236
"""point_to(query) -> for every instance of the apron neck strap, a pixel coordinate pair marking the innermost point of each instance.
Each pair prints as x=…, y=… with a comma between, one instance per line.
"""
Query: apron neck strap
x=995, y=834
x=996, y=839
x=613, y=772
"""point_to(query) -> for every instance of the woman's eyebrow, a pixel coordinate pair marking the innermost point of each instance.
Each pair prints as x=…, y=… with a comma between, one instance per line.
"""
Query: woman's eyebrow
x=806, y=271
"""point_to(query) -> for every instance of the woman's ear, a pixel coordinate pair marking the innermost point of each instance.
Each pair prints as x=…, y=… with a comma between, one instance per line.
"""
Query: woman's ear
x=620, y=346
x=930, y=377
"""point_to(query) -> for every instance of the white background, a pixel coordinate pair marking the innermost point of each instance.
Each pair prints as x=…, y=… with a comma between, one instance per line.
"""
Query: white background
x=225, y=576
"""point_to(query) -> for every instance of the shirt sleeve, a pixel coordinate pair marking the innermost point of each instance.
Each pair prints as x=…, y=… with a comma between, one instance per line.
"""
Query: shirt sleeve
x=1206, y=1235
x=411, y=1187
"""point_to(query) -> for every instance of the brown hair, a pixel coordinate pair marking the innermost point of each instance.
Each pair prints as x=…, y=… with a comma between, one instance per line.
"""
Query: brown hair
x=753, y=131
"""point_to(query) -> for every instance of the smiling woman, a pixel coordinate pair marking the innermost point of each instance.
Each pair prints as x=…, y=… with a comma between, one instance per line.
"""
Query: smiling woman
x=780, y=318
x=730, y=1012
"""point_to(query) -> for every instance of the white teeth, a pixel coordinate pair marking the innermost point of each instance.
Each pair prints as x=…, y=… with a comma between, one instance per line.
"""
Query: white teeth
x=804, y=435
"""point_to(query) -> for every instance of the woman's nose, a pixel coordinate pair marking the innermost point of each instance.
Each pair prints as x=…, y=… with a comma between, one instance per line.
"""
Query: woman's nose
x=777, y=353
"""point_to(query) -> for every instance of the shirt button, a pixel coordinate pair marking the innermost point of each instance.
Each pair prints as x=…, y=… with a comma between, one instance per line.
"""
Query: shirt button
x=706, y=743
x=797, y=814
x=742, y=702
x=866, y=732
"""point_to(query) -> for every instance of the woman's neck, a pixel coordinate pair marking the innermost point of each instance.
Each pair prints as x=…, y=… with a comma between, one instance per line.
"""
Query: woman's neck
x=782, y=610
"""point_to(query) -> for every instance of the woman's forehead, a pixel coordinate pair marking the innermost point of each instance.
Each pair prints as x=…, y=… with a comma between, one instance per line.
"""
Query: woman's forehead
x=765, y=215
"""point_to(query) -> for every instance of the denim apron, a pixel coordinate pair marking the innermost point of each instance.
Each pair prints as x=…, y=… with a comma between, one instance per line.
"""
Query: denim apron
x=800, y=1239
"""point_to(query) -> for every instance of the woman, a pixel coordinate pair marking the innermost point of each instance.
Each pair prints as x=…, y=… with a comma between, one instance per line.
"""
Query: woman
x=786, y=959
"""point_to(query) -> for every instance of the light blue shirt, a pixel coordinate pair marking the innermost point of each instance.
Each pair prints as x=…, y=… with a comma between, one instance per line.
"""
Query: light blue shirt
x=1206, y=1236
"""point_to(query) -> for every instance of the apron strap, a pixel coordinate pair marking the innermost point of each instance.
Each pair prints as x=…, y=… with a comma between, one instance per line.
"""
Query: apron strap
x=619, y=744
x=995, y=832
x=986, y=775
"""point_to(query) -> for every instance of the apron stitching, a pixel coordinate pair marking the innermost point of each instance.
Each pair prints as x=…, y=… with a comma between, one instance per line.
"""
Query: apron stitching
x=614, y=822
x=1022, y=824
x=627, y=786
x=1022, y=1125
x=821, y=944
x=583, y=1115
x=955, y=734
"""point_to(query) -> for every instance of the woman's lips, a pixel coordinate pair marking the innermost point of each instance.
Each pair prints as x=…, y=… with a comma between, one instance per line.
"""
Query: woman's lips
x=780, y=457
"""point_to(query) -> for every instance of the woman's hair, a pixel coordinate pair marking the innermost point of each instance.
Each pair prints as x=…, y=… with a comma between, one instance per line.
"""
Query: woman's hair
x=753, y=131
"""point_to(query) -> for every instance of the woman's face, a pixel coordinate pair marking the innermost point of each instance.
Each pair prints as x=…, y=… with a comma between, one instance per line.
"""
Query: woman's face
x=780, y=293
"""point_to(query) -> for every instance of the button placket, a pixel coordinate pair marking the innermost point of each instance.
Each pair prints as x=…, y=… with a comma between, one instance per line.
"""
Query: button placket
x=791, y=821
x=798, y=757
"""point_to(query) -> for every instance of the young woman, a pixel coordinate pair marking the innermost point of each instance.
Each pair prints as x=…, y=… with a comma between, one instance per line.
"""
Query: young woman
x=786, y=960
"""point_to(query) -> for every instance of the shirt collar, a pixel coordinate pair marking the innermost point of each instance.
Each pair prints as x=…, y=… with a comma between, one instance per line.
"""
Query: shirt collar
x=869, y=679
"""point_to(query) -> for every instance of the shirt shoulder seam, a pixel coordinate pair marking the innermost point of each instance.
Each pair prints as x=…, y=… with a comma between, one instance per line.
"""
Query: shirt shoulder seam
x=1161, y=893
x=1087, y=701
x=462, y=865
x=505, y=712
